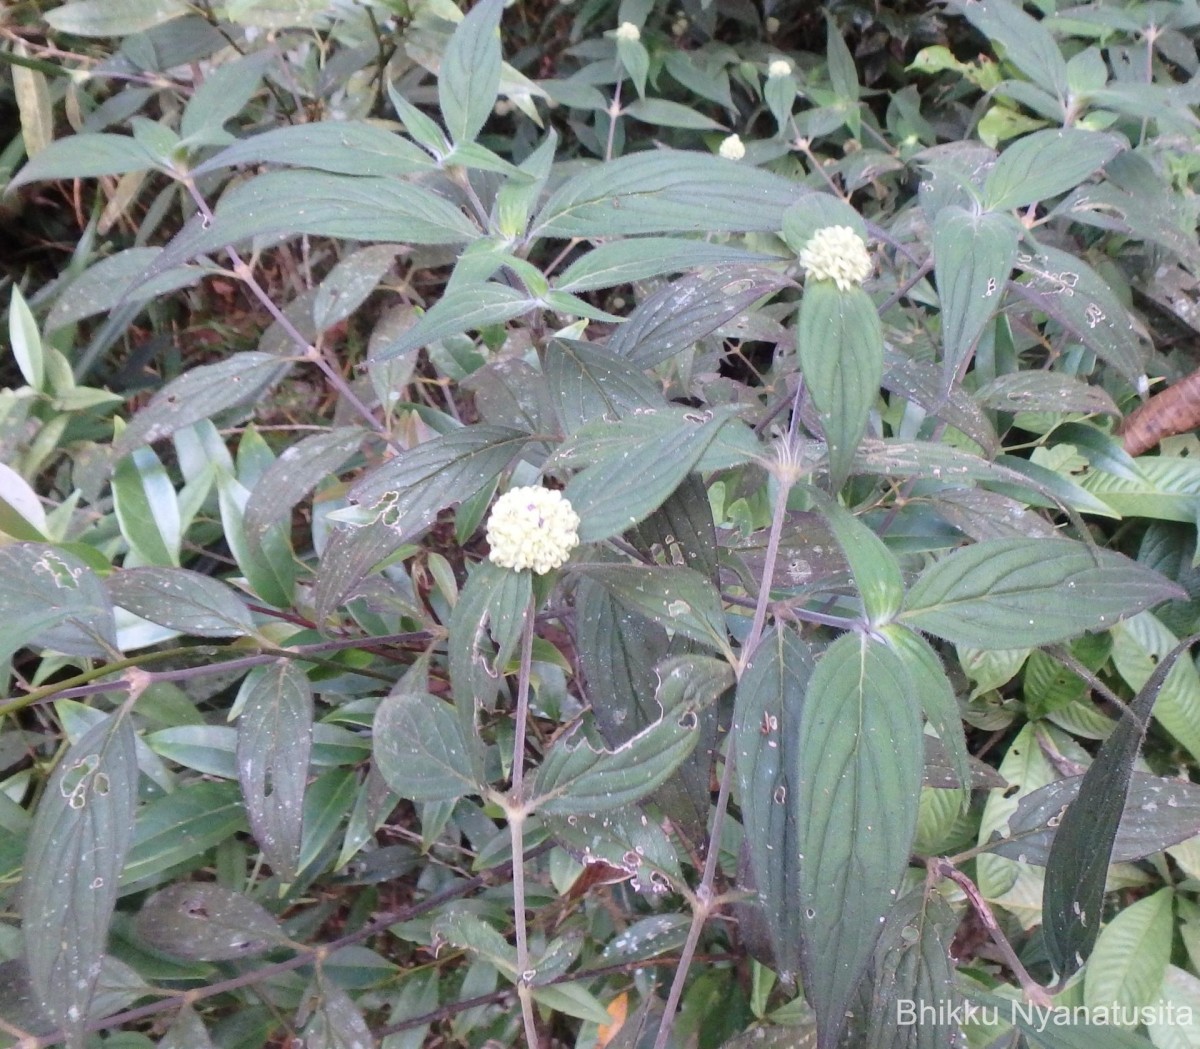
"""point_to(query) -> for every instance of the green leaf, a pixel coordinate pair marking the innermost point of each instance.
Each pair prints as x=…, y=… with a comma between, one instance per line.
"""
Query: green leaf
x=663, y=113
x=85, y=156
x=1043, y=391
x=370, y=209
x=913, y=965
x=337, y=1021
x=677, y=598
x=458, y=310
x=1027, y=43
x=113, y=17
x=223, y=94
x=146, y=508
x=1068, y=290
x=349, y=557
x=49, y=598
x=25, y=340
x=576, y=778
x=921, y=382
x=199, y=393
x=206, y=922
x=1073, y=898
x=77, y=846
x=678, y=315
x=1140, y=643
x=1165, y=488
x=469, y=76
x=181, y=600
x=1157, y=814
x=1049, y=1034
x=270, y=566
x=619, y=490
x=491, y=608
x=841, y=356
x=873, y=567
x=1046, y=164
x=766, y=731
x=858, y=786
x=407, y=491
x=1013, y=593
x=21, y=513
x=638, y=258
x=588, y=384
x=274, y=741
x=300, y=468
x=340, y=147
x=973, y=255
x=423, y=751
x=666, y=191
x=187, y=1031
x=180, y=828
x=1126, y=969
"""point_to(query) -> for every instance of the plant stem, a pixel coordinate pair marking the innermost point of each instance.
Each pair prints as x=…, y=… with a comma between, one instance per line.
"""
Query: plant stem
x=704, y=897
x=516, y=813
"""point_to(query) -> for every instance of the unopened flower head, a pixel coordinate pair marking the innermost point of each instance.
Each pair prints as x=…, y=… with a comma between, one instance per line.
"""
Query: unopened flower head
x=732, y=148
x=772, y=25
x=628, y=31
x=838, y=254
x=779, y=67
x=532, y=527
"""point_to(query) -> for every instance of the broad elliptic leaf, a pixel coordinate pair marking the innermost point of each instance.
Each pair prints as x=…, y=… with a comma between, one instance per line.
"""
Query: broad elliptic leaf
x=458, y=310
x=423, y=751
x=85, y=156
x=617, y=491
x=1045, y=164
x=913, y=966
x=113, y=17
x=469, y=76
x=1044, y=391
x=1126, y=969
x=181, y=600
x=337, y=1022
x=340, y=147
x=408, y=490
x=973, y=257
x=577, y=778
x=666, y=191
x=858, y=784
x=199, y=393
x=639, y=258
x=586, y=383
x=1013, y=593
x=77, y=846
x=676, y=316
x=766, y=730
x=1073, y=897
x=677, y=598
x=50, y=599
x=206, y=922
x=274, y=741
x=840, y=345
x=1157, y=814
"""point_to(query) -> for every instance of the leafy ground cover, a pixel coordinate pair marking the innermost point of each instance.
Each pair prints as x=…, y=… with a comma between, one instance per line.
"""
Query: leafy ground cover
x=599, y=524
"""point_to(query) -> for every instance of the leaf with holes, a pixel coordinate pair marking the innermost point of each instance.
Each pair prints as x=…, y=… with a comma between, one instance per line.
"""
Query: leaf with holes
x=274, y=741
x=858, y=783
x=206, y=922
x=77, y=845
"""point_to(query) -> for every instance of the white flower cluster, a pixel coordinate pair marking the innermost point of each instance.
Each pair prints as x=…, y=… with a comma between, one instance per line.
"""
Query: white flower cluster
x=732, y=148
x=779, y=67
x=532, y=527
x=838, y=254
x=628, y=31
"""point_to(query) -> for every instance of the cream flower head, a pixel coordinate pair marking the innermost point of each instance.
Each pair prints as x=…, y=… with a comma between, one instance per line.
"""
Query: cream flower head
x=838, y=254
x=532, y=527
x=628, y=31
x=779, y=67
x=732, y=148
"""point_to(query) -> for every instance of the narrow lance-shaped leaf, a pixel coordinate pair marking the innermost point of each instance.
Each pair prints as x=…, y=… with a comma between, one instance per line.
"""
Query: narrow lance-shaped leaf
x=181, y=600
x=858, y=787
x=77, y=846
x=840, y=345
x=1082, y=849
x=1013, y=593
x=422, y=750
x=766, y=731
x=973, y=256
x=273, y=747
x=874, y=569
x=470, y=71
